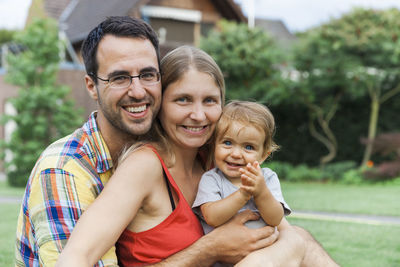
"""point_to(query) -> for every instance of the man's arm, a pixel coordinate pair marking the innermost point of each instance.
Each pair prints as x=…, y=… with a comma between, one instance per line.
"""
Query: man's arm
x=57, y=200
x=228, y=243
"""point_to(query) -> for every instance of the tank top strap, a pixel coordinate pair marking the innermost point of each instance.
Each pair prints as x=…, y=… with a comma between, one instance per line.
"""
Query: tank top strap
x=167, y=173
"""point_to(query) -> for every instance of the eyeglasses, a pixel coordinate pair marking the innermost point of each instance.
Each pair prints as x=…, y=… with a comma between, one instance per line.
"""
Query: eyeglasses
x=125, y=80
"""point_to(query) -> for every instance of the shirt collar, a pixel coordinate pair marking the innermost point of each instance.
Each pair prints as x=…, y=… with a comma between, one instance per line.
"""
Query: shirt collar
x=97, y=143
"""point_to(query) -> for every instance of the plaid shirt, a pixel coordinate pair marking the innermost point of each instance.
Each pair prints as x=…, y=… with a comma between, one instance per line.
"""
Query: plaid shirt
x=66, y=179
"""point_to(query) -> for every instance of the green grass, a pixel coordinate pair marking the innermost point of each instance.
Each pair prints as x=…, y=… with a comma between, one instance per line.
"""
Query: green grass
x=354, y=244
x=8, y=225
x=361, y=199
x=350, y=244
x=6, y=190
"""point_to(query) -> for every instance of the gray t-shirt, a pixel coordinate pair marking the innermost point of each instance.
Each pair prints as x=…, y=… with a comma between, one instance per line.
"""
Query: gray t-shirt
x=214, y=186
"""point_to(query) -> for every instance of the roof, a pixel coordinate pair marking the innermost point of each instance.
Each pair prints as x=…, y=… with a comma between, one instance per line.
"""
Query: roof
x=230, y=10
x=81, y=16
x=86, y=14
x=277, y=29
x=55, y=8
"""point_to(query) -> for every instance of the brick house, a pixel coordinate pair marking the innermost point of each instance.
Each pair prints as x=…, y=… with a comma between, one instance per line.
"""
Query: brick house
x=177, y=22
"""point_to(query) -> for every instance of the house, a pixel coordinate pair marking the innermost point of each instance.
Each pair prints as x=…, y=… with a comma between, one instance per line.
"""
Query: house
x=277, y=30
x=177, y=22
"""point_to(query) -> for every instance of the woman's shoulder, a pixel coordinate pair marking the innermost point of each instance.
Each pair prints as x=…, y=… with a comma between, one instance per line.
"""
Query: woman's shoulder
x=143, y=158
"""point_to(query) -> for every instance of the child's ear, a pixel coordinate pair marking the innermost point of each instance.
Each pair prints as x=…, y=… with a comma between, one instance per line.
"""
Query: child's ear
x=265, y=156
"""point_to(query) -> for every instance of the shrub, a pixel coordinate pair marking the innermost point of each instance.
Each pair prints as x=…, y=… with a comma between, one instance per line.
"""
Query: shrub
x=335, y=171
x=304, y=173
x=282, y=169
x=354, y=176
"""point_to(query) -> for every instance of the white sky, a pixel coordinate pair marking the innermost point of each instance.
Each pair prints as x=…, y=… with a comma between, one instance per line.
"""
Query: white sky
x=298, y=15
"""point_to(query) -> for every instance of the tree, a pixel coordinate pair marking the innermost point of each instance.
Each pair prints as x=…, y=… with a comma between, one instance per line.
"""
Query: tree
x=374, y=38
x=321, y=83
x=6, y=36
x=249, y=59
x=354, y=56
x=43, y=111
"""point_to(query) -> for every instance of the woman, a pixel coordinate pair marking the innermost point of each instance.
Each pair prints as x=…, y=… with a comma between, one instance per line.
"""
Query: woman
x=162, y=176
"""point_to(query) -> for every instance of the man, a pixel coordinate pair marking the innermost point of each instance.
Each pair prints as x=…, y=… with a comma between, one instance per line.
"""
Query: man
x=71, y=172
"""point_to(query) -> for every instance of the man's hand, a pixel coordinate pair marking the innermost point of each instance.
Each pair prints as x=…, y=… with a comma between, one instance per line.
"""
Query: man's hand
x=233, y=241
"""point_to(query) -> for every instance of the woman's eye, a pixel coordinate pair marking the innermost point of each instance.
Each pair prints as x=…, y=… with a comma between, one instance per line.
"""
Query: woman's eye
x=210, y=100
x=182, y=99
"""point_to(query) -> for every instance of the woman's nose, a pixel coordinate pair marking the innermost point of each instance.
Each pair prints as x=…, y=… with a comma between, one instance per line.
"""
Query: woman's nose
x=198, y=113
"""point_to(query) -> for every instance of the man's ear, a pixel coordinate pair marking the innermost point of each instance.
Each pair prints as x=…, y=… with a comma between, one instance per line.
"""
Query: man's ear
x=91, y=87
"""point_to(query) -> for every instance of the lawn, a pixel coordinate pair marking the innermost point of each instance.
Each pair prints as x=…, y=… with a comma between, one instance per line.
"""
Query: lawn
x=6, y=190
x=354, y=244
x=350, y=244
x=361, y=199
x=8, y=224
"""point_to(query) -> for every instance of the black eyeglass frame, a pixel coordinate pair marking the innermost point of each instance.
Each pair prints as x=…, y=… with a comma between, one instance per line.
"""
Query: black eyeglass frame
x=140, y=77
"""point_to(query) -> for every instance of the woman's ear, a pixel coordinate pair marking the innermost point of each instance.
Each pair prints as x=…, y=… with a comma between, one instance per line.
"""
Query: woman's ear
x=91, y=87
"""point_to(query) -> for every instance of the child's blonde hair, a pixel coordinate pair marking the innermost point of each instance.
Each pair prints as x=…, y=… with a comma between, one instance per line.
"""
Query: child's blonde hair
x=249, y=113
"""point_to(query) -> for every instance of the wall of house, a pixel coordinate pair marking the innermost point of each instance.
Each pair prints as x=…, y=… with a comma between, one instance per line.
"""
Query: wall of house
x=70, y=77
x=209, y=13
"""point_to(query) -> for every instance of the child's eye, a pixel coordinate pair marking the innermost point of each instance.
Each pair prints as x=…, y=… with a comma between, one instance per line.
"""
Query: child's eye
x=249, y=147
x=227, y=143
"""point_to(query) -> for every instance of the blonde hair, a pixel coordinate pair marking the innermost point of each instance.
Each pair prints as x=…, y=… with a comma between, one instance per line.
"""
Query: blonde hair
x=249, y=113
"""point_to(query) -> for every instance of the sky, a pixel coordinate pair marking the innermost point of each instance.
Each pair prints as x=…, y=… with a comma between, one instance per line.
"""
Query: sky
x=298, y=15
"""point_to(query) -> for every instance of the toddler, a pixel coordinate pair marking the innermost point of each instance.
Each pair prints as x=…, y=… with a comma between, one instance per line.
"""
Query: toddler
x=243, y=141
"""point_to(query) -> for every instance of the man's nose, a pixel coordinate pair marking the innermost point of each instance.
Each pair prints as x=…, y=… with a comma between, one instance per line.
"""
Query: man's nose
x=136, y=89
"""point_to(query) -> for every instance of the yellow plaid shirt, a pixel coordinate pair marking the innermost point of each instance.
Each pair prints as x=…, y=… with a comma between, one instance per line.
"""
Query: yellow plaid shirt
x=66, y=179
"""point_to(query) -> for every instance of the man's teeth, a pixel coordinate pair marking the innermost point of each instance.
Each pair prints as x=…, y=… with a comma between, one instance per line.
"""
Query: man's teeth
x=194, y=129
x=136, y=109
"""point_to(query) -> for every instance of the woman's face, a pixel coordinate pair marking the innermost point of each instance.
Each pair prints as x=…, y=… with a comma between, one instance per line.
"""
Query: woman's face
x=190, y=109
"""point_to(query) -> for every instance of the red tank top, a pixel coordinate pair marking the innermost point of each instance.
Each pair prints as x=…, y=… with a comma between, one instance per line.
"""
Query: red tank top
x=178, y=231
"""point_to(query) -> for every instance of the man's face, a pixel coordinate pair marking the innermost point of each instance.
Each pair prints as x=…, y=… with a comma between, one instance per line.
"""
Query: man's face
x=129, y=110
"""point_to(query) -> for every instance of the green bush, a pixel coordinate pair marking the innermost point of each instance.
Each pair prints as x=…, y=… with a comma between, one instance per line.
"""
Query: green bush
x=303, y=173
x=354, y=176
x=282, y=169
x=335, y=171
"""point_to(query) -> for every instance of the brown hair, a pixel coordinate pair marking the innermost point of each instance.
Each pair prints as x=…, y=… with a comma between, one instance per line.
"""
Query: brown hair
x=250, y=113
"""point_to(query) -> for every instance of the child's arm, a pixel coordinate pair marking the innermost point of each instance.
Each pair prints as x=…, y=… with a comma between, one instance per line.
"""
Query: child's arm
x=253, y=183
x=218, y=212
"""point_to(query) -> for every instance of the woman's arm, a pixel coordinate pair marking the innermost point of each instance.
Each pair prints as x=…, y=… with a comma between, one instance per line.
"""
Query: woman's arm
x=101, y=225
x=230, y=242
x=218, y=212
x=253, y=182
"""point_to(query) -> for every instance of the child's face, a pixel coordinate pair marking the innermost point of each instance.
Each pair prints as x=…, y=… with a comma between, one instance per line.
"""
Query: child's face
x=241, y=144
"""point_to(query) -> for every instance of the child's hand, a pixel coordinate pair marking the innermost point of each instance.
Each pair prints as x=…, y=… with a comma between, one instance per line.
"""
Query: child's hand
x=252, y=178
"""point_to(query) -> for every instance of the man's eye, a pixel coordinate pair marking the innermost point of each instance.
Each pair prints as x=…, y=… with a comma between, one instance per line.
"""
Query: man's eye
x=119, y=79
x=148, y=76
